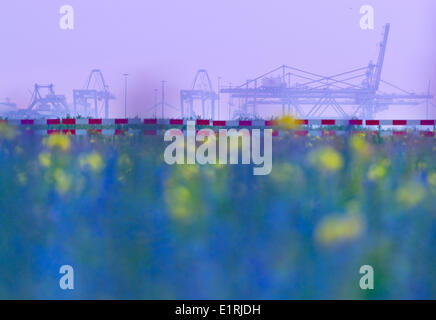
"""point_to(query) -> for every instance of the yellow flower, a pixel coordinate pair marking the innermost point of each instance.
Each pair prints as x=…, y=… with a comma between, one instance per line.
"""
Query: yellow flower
x=125, y=166
x=410, y=194
x=431, y=179
x=93, y=160
x=61, y=142
x=378, y=171
x=286, y=172
x=180, y=202
x=189, y=172
x=327, y=159
x=287, y=122
x=338, y=229
x=360, y=134
x=124, y=161
x=62, y=180
x=45, y=159
x=360, y=146
x=7, y=131
x=283, y=172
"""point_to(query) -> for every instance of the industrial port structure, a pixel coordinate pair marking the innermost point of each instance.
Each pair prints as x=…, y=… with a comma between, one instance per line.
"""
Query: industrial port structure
x=351, y=94
x=309, y=95
x=94, y=98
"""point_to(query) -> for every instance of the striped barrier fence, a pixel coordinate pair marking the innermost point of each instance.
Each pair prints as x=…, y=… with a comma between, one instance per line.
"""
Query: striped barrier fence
x=220, y=123
x=152, y=126
x=276, y=133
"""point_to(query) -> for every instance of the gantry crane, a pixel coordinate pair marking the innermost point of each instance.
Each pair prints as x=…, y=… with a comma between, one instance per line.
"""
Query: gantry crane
x=7, y=108
x=310, y=95
x=45, y=103
x=202, y=91
x=94, y=98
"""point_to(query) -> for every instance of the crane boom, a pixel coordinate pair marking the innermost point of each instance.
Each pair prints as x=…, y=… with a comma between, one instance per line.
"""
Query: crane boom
x=380, y=59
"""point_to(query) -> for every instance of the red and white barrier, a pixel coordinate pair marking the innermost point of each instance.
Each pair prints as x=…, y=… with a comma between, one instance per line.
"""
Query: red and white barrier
x=153, y=126
x=218, y=123
x=276, y=133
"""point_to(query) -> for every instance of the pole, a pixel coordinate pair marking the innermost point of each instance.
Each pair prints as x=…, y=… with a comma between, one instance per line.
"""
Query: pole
x=219, y=99
x=125, y=94
x=428, y=94
x=230, y=102
x=163, y=98
x=155, y=102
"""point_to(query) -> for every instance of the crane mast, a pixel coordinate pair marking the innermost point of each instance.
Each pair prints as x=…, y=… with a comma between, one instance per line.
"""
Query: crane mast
x=380, y=59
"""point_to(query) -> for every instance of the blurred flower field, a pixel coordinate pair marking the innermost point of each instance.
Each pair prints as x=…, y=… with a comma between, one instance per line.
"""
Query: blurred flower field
x=134, y=227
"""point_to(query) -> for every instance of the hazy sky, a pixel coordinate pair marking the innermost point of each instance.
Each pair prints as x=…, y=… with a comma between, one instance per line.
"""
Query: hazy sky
x=236, y=40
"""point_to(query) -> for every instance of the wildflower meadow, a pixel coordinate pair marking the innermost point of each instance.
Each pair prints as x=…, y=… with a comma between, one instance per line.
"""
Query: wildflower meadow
x=133, y=226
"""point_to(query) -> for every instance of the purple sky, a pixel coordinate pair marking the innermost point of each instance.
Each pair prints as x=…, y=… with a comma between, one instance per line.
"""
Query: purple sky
x=233, y=39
